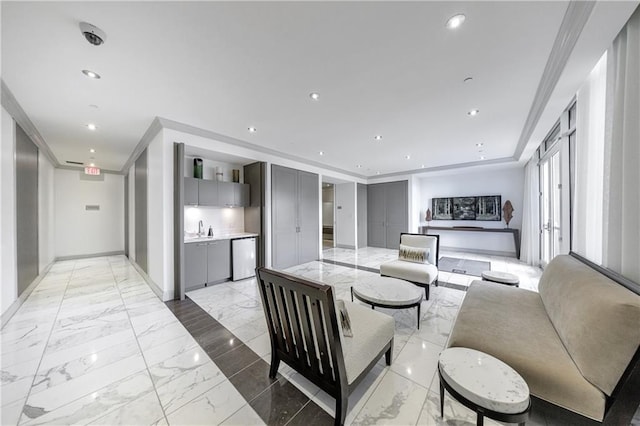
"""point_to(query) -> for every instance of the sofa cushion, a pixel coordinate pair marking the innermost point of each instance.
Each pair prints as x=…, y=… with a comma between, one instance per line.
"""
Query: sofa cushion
x=512, y=325
x=597, y=319
x=423, y=273
x=413, y=254
x=372, y=330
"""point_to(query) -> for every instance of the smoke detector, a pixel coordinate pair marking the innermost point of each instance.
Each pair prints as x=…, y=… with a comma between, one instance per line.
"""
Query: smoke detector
x=93, y=34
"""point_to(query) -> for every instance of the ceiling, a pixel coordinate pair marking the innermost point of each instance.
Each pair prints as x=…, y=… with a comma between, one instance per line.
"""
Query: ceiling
x=381, y=68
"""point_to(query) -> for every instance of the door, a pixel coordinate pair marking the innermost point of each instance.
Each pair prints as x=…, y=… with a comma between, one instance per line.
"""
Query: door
x=550, y=205
x=396, y=207
x=284, y=216
x=376, y=215
x=308, y=217
x=140, y=195
x=26, y=159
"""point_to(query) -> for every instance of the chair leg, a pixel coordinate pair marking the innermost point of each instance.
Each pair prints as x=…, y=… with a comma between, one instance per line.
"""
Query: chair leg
x=341, y=408
x=389, y=354
x=275, y=363
x=426, y=291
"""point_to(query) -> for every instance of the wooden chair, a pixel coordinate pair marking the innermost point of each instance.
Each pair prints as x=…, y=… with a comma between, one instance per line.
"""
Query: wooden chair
x=306, y=334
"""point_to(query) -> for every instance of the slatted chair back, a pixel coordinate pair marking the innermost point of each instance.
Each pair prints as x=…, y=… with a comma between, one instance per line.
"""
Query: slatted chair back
x=303, y=327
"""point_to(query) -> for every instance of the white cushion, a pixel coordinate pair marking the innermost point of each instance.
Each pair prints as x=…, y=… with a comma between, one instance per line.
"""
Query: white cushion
x=372, y=330
x=422, y=241
x=415, y=272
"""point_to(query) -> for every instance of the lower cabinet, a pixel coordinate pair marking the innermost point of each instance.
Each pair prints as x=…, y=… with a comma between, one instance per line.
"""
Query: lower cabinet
x=206, y=262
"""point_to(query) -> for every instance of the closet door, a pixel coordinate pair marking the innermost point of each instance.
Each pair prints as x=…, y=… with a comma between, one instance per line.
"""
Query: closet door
x=376, y=215
x=397, y=212
x=362, y=215
x=308, y=217
x=284, y=214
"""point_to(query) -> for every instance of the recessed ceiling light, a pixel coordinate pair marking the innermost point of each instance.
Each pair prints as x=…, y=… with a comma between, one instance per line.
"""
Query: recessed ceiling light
x=482, y=157
x=473, y=112
x=92, y=164
x=359, y=166
x=252, y=129
x=92, y=150
x=455, y=21
x=407, y=157
x=321, y=153
x=422, y=166
x=91, y=126
x=377, y=137
x=468, y=79
x=479, y=144
x=315, y=96
x=377, y=173
x=91, y=74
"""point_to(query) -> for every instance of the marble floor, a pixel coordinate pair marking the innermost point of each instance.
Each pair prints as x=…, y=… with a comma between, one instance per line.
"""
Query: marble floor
x=94, y=345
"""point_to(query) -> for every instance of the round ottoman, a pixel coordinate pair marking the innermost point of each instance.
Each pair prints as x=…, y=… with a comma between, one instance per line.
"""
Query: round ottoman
x=501, y=277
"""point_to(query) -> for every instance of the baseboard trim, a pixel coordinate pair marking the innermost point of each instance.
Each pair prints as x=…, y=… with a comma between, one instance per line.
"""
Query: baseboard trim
x=481, y=251
x=11, y=310
x=87, y=256
x=152, y=285
x=345, y=246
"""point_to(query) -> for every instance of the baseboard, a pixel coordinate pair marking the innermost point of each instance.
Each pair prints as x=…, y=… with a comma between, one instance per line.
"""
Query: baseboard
x=152, y=285
x=481, y=251
x=11, y=310
x=345, y=246
x=87, y=256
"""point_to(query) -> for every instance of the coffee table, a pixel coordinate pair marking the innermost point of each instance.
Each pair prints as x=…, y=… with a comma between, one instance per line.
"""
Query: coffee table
x=484, y=384
x=387, y=292
x=501, y=277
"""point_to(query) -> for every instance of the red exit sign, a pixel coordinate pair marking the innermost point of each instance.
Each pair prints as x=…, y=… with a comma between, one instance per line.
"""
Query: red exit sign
x=95, y=171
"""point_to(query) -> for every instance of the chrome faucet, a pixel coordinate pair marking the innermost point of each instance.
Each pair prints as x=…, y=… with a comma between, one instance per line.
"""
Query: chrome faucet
x=200, y=229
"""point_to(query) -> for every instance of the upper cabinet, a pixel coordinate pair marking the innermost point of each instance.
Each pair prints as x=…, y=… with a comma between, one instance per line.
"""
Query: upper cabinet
x=204, y=192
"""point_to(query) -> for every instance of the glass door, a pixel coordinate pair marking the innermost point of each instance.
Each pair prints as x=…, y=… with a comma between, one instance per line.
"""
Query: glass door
x=550, y=206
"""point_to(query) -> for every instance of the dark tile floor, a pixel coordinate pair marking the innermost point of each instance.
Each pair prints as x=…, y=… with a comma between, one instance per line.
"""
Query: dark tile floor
x=276, y=401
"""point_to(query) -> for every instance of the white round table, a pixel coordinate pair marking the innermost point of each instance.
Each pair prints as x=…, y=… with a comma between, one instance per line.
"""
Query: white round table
x=501, y=277
x=484, y=384
x=387, y=292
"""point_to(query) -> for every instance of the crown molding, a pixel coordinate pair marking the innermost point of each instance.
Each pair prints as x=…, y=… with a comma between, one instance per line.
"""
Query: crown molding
x=10, y=103
x=146, y=139
x=575, y=18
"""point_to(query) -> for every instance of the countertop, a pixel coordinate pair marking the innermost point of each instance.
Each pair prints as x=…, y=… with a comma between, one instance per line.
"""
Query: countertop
x=237, y=235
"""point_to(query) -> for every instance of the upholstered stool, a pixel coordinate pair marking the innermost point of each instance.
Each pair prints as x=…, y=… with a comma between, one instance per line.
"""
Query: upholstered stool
x=501, y=277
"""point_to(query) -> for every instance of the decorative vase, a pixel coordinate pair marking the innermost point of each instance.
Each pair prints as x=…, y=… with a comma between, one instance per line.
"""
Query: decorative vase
x=507, y=211
x=197, y=168
x=428, y=216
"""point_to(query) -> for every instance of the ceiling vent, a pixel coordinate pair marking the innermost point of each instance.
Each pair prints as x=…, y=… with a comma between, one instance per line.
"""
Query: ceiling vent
x=74, y=162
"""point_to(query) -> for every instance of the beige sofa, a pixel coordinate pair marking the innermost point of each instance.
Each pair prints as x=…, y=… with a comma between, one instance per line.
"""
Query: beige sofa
x=576, y=342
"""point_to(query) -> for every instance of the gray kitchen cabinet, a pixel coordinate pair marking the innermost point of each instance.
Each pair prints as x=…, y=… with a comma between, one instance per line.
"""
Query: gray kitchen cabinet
x=191, y=191
x=241, y=194
x=195, y=265
x=387, y=213
x=295, y=202
x=218, y=260
x=225, y=194
x=208, y=192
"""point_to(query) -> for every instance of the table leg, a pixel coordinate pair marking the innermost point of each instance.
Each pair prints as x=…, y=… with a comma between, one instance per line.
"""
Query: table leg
x=480, y=421
x=441, y=399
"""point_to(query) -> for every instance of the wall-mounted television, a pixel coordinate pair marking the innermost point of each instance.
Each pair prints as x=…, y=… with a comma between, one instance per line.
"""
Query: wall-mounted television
x=486, y=207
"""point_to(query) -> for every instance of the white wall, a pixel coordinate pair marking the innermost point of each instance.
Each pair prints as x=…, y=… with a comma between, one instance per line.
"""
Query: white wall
x=79, y=232
x=8, y=273
x=507, y=182
x=160, y=215
x=346, y=215
x=46, y=212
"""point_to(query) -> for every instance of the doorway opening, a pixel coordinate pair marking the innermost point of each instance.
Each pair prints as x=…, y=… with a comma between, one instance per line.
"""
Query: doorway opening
x=328, y=215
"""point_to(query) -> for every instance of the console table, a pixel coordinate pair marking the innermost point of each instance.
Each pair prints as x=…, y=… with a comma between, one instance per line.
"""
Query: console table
x=513, y=231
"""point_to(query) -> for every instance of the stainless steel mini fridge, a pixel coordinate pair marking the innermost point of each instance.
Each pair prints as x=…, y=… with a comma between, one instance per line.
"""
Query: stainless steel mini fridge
x=244, y=258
